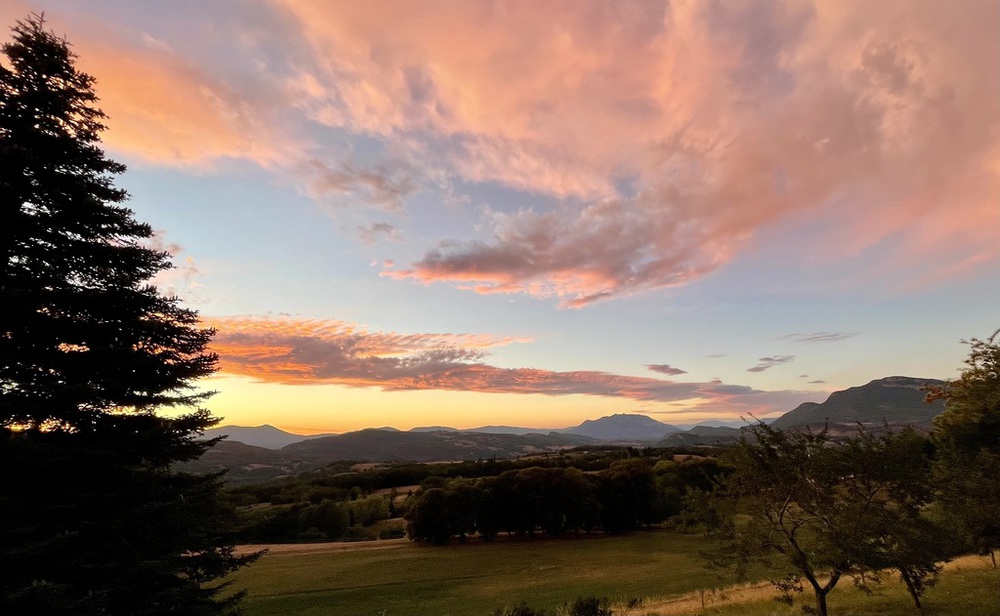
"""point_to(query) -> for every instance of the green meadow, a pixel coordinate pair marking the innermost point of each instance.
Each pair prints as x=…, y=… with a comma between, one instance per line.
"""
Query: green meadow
x=662, y=570
x=473, y=578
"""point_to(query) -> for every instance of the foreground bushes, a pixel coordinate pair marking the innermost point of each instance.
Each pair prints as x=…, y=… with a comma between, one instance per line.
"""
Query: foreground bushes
x=581, y=606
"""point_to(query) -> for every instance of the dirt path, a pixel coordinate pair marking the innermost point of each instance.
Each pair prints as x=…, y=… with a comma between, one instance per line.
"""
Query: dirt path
x=321, y=548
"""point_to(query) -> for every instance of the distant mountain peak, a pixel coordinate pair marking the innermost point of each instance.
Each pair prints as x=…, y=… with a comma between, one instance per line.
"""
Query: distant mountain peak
x=623, y=427
x=265, y=435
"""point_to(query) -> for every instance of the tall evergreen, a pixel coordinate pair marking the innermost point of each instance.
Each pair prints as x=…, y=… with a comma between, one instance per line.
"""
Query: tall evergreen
x=92, y=518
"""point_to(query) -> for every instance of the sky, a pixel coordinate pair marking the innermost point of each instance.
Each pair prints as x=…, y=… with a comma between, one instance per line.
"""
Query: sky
x=476, y=213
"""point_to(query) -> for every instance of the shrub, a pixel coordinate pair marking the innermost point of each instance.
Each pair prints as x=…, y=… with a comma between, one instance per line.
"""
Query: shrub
x=590, y=606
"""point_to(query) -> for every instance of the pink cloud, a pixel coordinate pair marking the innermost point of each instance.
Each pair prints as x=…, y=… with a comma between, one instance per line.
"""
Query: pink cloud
x=725, y=119
x=669, y=136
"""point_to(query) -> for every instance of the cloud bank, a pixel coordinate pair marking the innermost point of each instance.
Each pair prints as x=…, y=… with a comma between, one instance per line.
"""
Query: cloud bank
x=294, y=352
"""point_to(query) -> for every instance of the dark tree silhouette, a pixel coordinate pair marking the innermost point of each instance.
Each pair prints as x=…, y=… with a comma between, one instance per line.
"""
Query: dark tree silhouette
x=427, y=520
x=92, y=519
x=968, y=438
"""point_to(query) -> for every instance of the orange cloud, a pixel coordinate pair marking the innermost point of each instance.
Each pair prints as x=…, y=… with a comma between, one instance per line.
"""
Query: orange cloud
x=295, y=352
x=163, y=109
x=163, y=106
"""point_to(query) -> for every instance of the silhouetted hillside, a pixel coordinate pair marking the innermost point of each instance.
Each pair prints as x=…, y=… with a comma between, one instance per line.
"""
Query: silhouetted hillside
x=376, y=445
x=247, y=463
x=701, y=435
x=897, y=400
x=260, y=436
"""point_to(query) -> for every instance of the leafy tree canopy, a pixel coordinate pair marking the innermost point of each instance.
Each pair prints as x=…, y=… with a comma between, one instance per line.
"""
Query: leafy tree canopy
x=968, y=438
x=812, y=510
x=971, y=420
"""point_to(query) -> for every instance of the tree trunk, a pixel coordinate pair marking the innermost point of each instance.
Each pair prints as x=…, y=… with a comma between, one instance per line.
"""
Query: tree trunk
x=822, y=591
x=821, y=602
x=911, y=588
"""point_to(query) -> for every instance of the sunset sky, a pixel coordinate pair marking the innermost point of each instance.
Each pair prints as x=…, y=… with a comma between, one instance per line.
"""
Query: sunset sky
x=533, y=213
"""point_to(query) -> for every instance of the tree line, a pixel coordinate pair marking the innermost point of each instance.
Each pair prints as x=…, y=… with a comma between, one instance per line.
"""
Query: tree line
x=630, y=494
x=548, y=494
x=338, y=479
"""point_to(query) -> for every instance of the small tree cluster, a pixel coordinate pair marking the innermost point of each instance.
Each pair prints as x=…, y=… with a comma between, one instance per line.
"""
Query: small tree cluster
x=813, y=509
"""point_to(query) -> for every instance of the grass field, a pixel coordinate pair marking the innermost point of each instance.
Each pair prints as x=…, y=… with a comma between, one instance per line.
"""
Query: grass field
x=403, y=579
x=968, y=587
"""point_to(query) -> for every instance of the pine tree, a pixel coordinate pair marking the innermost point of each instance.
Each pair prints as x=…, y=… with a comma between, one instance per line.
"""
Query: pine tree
x=92, y=518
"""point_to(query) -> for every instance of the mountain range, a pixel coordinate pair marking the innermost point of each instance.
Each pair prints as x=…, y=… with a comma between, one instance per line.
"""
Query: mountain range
x=629, y=427
x=254, y=453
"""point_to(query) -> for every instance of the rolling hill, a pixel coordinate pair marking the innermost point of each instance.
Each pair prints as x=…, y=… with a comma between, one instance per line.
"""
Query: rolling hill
x=701, y=435
x=896, y=400
x=376, y=445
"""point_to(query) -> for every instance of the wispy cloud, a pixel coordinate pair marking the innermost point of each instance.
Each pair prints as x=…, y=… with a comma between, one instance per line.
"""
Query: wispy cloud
x=766, y=363
x=295, y=352
x=817, y=337
x=383, y=185
x=666, y=369
x=371, y=233
x=180, y=279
